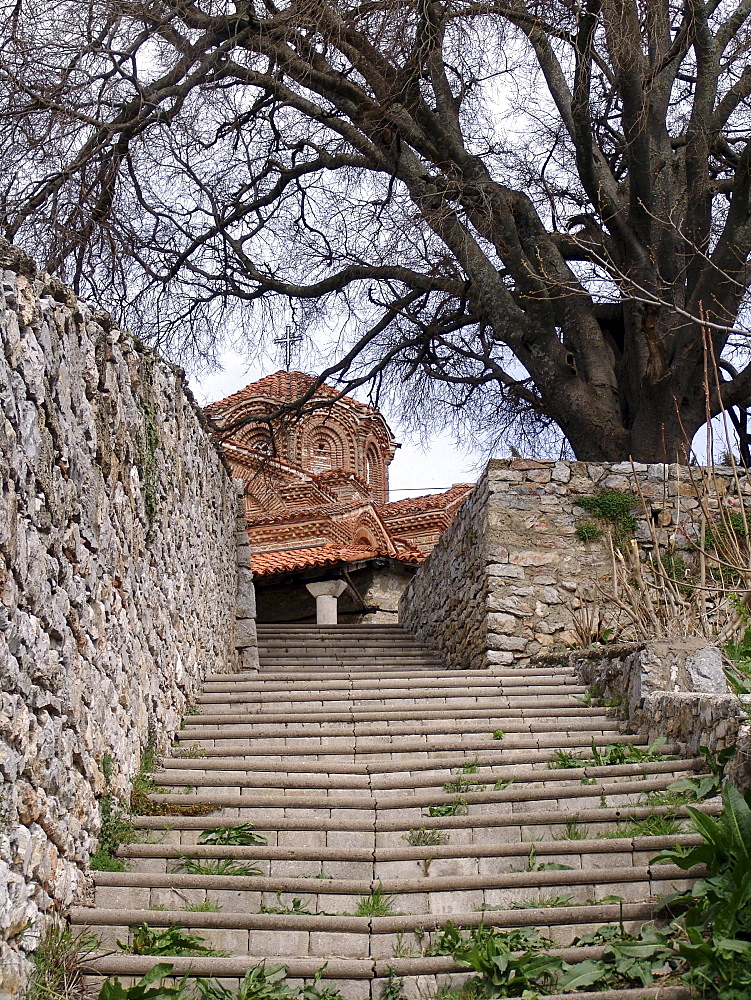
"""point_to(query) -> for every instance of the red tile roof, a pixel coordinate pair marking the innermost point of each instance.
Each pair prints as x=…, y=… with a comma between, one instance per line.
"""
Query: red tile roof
x=290, y=560
x=284, y=387
x=425, y=504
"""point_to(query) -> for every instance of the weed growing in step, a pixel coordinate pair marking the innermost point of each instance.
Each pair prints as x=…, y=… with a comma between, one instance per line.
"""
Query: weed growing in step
x=150, y=987
x=259, y=983
x=533, y=865
x=297, y=907
x=194, y=751
x=402, y=950
x=463, y=783
x=498, y=734
x=192, y=710
x=614, y=753
x=207, y=906
x=216, y=866
x=242, y=835
x=147, y=940
x=704, y=786
x=509, y=963
x=393, y=988
x=377, y=904
x=590, y=698
x=573, y=831
x=457, y=807
x=656, y=825
x=533, y=904
x=262, y=982
x=501, y=785
x=423, y=837
x=59, y=961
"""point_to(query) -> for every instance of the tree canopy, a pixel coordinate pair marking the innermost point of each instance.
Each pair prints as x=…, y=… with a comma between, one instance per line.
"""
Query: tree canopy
x=536, y=208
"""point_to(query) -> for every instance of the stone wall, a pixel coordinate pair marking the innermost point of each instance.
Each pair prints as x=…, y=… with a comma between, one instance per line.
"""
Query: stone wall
x=504, y=581
x=676, y=690
x=447, y=605
x=118, y=580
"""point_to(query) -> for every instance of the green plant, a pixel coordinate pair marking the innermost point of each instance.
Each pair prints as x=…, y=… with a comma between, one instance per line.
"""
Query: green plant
x=654, y=825
x=423, y=837
x=498, y=734
x=242, y=835
x=298, y=906
x=377, y=904
x=316, y=992
x=400, y=949
x=588, y=531
x=501, y=785
x=533, y=904
x=463, y=783
x=193, y=751
x=393, y=988
x=705, y=786
x=614, y=753
x=216, y=866
x=174, y=940
x=207, y=906
x=457, y=807
x=144, y=988
x=59, y=961
x=614, y=507
x=116, y=829
x=510, y=963
x=573, y=831
x=259, y=983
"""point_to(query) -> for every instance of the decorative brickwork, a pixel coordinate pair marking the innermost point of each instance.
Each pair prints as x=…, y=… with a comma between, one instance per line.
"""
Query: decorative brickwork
x=316, y=487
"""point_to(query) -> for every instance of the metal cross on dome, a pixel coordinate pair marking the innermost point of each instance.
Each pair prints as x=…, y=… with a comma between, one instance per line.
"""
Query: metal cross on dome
x=288, y=342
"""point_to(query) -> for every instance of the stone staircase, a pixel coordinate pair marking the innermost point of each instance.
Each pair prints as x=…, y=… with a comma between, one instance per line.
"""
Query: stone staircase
x=388, y=809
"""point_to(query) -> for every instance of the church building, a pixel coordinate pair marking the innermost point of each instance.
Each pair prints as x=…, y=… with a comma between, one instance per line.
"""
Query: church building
x=317, y=500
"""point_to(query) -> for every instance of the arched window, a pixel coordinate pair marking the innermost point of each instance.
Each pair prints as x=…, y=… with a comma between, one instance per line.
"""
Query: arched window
x=323, y=451
x=374, y=472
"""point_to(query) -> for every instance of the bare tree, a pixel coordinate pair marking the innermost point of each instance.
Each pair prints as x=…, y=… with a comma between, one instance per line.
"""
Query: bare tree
x=536, y=201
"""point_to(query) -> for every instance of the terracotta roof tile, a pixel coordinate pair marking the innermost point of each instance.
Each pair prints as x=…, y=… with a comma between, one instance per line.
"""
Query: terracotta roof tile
x=425, y=504
x=284, y=387
x=290, y=560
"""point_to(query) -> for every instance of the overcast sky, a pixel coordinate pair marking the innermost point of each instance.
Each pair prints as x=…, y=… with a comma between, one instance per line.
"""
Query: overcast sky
x=414, y=470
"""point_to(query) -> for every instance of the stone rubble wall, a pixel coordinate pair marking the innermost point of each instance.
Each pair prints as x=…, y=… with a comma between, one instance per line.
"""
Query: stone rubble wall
x=677, y=690
x=502, y=584
x=118, y=579
x=448, y=601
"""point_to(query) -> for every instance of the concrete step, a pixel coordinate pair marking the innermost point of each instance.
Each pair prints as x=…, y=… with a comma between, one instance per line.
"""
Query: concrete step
x=594, y=723
x=188, y=771
x=379, y=712
x=337, y=751
x=427, y=894
x=513, y=747
x=319, y=935
x=378, y=685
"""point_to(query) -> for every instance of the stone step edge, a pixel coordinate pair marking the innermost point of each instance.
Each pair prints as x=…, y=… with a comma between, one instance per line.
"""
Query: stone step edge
x=603, y=724
x=182, y=766
x=345, y=679
x=552, y=915
x=260, y=799
x=614, y=845
x=486, y=758
x=551, y=817
x=314, y=715
x=553, y=741
x=577, y=877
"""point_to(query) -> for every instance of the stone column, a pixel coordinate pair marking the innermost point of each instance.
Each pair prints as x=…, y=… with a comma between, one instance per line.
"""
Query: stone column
x=327, y=593
x=246, y=642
